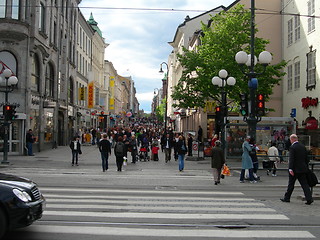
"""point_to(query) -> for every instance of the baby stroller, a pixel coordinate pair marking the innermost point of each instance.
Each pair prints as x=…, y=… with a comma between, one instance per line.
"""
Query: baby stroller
x=143, y=154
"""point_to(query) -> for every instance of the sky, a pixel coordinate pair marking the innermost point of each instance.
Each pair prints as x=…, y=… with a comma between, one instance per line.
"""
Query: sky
x=138, y=39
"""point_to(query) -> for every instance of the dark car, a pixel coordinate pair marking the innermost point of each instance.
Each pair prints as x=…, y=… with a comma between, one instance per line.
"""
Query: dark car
x=21, y=203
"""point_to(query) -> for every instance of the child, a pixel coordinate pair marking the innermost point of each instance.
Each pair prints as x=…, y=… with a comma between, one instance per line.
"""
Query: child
x=155, y=150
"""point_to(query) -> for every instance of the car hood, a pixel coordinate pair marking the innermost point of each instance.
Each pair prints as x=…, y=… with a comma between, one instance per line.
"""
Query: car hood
x=15, y=181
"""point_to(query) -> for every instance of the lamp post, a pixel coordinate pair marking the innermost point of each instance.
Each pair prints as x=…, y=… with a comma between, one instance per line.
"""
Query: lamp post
x=6, y=85
x=222, y=81
x=242, y=58
x=166, y=94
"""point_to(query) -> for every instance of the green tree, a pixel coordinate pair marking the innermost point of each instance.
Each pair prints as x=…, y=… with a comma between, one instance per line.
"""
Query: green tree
x=228, y=33
x=160, y=110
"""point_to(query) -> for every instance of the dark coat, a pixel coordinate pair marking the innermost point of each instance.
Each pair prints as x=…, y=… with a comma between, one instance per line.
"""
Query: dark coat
x=180, y=149
x=164, y=142
x=78, y=146
x=217, y=157
x=298, y=158
x=104, y=146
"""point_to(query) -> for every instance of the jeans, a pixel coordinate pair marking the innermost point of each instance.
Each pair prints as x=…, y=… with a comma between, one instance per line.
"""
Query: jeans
x=29, y=146
x=104, y=158
x=181, y=161
x=75, y=154
x=250, y=174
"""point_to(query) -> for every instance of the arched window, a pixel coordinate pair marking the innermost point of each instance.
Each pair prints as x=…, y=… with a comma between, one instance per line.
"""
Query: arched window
x=35, y=74
x=71, y=91
x=49, y=87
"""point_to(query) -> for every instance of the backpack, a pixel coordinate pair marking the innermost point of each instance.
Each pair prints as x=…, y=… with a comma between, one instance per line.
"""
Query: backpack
x=119, y=149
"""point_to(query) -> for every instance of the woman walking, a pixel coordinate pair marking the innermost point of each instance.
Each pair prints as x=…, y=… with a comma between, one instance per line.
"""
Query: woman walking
x=247, y=161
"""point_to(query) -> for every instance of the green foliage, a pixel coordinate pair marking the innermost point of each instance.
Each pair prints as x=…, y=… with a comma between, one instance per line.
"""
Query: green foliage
x=228, y=34
x=160, y=111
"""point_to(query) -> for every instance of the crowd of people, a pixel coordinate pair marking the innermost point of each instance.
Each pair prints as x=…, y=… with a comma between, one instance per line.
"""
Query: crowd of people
x=142, y=143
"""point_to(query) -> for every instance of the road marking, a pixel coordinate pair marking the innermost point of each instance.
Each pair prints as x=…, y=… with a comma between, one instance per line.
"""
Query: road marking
x=150, y=232
x=158, y=208
x=94, y=190
x=155, y=215
x=150, y=198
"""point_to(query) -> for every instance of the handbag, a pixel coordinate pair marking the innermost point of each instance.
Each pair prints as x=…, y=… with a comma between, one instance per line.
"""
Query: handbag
x=267, y=164
x=312, y=178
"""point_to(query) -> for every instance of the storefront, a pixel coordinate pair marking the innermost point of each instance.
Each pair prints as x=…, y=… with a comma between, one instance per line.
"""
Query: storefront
x=16, y=137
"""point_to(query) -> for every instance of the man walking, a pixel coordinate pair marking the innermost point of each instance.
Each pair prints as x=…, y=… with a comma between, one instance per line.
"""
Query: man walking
x=105, y=150
x=298, y=168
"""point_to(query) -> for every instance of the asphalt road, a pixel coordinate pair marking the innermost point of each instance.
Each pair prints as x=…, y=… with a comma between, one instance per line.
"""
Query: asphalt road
x=153, y=200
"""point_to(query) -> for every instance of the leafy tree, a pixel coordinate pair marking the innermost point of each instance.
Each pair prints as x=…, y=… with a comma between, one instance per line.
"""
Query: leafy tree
x=228, y=33
x=160, y=111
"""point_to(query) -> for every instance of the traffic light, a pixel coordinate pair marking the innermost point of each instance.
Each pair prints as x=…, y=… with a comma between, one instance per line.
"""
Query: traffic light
x=219, y=115
x=244, y=104
x=260, y=105
x=9, y=112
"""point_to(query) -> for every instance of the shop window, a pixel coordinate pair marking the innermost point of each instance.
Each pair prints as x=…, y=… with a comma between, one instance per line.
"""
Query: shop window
x=48, y=131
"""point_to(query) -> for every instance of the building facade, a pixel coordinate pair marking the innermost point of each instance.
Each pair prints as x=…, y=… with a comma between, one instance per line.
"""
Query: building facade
x=58, y=58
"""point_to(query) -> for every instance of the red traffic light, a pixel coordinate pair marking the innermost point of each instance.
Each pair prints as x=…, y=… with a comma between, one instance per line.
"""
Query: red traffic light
x=218, y=109
x=260, y=97
x=7, y=107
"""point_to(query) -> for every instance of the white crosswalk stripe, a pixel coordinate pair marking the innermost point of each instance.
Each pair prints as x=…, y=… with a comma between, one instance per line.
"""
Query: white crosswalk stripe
x=141, y=212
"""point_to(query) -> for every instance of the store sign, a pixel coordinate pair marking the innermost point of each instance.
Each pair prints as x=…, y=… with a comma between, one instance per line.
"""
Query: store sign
x=81, y=93
x=309, y=102
x=90, y=95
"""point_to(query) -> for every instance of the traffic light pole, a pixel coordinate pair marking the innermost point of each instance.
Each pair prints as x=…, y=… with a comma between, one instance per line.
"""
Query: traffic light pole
x=6, y=131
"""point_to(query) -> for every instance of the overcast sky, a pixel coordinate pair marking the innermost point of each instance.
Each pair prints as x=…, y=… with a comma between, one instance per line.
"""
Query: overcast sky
x=139, y=38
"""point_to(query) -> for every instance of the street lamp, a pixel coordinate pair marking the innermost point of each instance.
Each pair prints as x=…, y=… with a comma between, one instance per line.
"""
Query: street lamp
x=222, y=81
x=6, y=85
x=166, y=93
x=242, y=58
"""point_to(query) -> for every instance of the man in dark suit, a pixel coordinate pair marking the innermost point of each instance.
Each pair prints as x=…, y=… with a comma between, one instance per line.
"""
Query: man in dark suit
x=298, y=168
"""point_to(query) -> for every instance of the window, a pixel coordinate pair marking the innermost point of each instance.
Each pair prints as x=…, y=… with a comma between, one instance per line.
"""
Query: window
x=290, y=32
x=296, y=28
x=49, y=85
x=3, y=4
x=289, y=74
x=35, y=74
x=311, y=70
x=296, y=75
x=71, y=91
x=15, y=9
x=311, y=12
x=42, y=18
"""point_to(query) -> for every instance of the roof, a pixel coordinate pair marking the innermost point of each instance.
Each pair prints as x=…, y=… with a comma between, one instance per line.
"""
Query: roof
x=94, y=25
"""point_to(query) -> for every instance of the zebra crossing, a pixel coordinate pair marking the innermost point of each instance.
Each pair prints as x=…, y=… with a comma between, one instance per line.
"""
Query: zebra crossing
x=158, y=213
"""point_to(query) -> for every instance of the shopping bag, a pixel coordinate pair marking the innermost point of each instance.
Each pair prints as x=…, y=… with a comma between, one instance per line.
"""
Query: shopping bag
x=225, y=171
